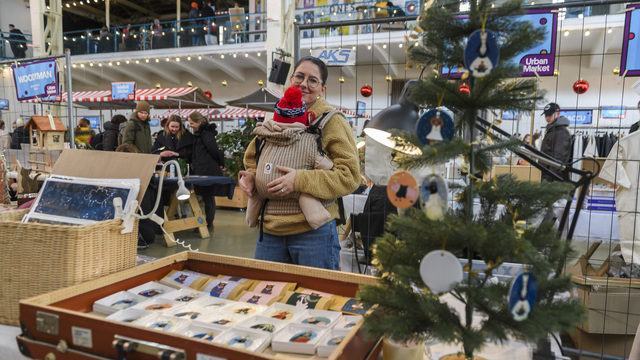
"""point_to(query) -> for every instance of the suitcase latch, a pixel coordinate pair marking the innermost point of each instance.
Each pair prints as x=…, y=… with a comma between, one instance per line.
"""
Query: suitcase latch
x=47, y=323
x=125, y=345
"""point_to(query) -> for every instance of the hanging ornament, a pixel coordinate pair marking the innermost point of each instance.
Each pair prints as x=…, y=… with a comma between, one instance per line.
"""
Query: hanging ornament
x=580, y=86
x=189, y=84
x=464, y=88
x=388, y=78
x=158, y=86
x=260, y=82
x=481, y=53
x=366, y=90
x=341, y=80
x=435, y=125
x=522, y=296
x=402, y=189
x=616, y=70
x=434, y=197
x=556, y=72
x=208, y=94
x=224, y=83
x=440, y=270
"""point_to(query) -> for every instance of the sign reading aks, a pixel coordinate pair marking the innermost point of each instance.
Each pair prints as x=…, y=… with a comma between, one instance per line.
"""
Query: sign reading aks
x=336, y=57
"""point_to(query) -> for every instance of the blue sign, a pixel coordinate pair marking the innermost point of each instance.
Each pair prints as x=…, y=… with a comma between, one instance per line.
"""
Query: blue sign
x=360, y=108
x=4, y=104
x=613, y=112
x=336, y=57
x=123, y=90
x=36, y=79
x=94, y=120
x=630, y=60
x=154, y=122
x=578, y=117
x=510, y=115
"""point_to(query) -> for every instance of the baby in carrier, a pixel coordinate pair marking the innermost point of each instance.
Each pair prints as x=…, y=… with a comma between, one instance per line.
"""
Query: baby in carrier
x=286, y=141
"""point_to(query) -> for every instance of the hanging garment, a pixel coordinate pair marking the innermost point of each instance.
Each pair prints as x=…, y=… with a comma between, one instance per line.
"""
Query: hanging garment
x=622, y=169
x=592, y=148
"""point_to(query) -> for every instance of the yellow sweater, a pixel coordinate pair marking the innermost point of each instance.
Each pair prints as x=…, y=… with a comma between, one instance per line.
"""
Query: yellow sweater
x=343, y=179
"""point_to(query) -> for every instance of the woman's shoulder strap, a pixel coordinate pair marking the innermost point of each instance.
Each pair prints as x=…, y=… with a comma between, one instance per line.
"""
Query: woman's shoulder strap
x=322, y=120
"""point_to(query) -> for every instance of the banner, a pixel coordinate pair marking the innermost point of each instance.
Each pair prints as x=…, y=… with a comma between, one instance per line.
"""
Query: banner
x=630, y=61
x=578, y=117
x=540, y=58
x=4, y=104
x=36, y=79
x=336, y=57
x=123, y=90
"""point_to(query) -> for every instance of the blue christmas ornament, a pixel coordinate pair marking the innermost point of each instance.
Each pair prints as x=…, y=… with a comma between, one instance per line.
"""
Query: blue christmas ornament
x=481, y=53
x=522, y=296
x=435, y=125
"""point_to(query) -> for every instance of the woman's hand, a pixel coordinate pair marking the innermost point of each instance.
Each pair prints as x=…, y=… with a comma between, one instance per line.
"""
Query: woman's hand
x=168, y=153
x=246, y=182
x=285, y=184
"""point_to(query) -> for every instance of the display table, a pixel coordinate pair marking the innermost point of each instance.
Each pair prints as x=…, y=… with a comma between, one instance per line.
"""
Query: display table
x=223, y=186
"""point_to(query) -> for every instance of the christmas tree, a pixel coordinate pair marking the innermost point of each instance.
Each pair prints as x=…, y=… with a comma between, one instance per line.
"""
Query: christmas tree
x=501, y=230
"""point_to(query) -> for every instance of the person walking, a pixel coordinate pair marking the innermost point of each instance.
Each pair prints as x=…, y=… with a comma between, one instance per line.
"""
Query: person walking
x=557, y=139
x=17, y=42
x=137, y=131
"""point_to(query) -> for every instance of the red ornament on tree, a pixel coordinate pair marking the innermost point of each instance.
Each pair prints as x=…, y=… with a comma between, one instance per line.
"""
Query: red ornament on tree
x=366, y=90
x=580, y=86
x=208, y=94
x=464, y=88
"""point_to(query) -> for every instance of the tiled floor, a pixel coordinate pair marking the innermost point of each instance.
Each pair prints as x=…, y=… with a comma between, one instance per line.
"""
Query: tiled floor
x=230, y=236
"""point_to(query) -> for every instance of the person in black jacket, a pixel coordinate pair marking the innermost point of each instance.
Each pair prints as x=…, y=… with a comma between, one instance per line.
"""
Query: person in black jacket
x=557, y=139
x=206, y=159
x=111, y=132
x=20, y=135
x=174, y=142
x=17, y=42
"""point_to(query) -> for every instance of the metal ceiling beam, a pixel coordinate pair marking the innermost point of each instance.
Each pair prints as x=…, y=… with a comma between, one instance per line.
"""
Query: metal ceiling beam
x=139, y=8
x=199, y=75
x=235, y=72
x=89, y=12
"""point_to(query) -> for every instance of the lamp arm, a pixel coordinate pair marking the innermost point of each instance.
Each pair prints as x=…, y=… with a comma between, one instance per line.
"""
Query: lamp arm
x=159, y=196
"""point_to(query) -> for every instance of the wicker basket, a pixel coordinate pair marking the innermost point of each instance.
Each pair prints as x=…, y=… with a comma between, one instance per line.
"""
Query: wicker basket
x=38, y=258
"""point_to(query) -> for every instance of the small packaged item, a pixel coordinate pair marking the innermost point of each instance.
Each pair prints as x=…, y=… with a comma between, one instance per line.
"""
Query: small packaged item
x=348, y=305
x=185, y=279
x=273, y=287
x=299, y=339
x=242, y=308
x=265, y=324
x=257, y=298
x=116, y=302
x=249, y=282
x=128, y=315
x=158, y=305
x=189, y=312
x=225, y=289
x=228, y=320
x=249, y=340
x=151, y=289
x=283, y=312
x=210, y=304
x=306, y=301
x=330, y=341
x=204, y=332
x=347, y=322
x=302, y=290
x=183, y=295
x=321, y=318
x=162, y=322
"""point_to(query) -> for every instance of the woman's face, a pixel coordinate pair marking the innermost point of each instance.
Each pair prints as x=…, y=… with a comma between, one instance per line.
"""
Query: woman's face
x=194, y=125
x=174, y=127
x=303, y=78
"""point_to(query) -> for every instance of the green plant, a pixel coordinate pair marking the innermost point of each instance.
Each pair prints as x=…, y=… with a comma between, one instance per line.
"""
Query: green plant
x=233, y=144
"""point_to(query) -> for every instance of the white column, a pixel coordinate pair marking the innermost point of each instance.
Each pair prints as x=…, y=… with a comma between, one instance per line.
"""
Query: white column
x=280, y=15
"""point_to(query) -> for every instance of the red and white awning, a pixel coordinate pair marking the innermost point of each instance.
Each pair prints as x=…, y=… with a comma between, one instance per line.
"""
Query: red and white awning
x=183, y=113
x=162, y=93
x=78, y=96
x=234, y=113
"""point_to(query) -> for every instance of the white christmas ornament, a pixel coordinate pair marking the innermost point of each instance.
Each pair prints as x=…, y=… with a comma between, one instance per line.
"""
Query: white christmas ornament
x=440, y=270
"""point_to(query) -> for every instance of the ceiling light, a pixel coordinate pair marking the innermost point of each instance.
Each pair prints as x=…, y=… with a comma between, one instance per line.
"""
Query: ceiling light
x=110, y=63
x=117, y=62
x=137, y=61
x=587, y=33
x=246, y=55
x=234, y=55
x=369, y=47
x=146, y=60
x=199, y=57
x=259, y=53
x=167, y=59
x=400, y=45
x=90, y=64
x=566, y=33
x=353, y=47
x=609, y=31
x=74, y=4
x=384, y=46
x=68, y=5
x=73, y=66
x=100, y=64
x=157, y=60
x=82, y=65
x=127, y=61
x=189, y=58
x=221, y=56
x=177, y=59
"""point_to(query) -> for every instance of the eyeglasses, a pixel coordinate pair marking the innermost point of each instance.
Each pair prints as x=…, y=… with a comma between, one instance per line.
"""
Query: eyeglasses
x=297, y=79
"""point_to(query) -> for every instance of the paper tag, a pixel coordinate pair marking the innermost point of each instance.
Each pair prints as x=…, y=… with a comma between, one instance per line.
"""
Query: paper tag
x=267, y=168
x=81, y=337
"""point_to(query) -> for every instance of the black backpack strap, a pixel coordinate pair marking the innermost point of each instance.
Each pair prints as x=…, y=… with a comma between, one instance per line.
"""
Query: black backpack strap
x=316, y=128
x=262, y=210
x=343, y=219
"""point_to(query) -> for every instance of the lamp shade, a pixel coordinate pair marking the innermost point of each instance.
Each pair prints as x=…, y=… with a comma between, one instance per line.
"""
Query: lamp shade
x=402, y=116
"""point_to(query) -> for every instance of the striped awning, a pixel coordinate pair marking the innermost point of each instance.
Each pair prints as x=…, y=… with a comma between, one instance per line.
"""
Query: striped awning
x=78, y=96
x=234, y=113
x=163, y=93
x=183, y=113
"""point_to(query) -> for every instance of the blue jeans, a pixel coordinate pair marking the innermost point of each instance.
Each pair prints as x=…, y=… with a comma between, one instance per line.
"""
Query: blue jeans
x=317, y=248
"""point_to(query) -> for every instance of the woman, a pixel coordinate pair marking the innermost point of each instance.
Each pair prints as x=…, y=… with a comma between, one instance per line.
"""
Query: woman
x=288, y=237
x=174, y=142
x=83, y=133
x=206, y=159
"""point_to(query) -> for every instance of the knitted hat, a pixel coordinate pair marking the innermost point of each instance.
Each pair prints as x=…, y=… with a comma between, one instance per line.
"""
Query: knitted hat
x=291, y=108
x=19, y=122
x=143, y=106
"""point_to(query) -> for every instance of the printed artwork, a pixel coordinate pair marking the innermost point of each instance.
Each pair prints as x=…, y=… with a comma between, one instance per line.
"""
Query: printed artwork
x=317, y=320
x=242, y=342
x=205, y=336
x=151, y=292
x=220, y=288
x=164, y=325
x=282, y=315
x=158, y=307
x=354, y=306
x=335, y=341
x=303, y=301
x=264, y=327
x=123, y=304
x=188, y=314
x=303, y=337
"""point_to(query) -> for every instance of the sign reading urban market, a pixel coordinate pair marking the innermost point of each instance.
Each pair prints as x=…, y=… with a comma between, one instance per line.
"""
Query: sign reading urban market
x=36, y=79
x=123, y=90
x=336, y=57
x=630, y=61
x=578, y=117
x=4, y=104
x=539, y=59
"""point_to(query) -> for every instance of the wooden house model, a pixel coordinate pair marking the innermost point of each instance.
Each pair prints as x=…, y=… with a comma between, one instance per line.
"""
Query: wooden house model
x=49, y=133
